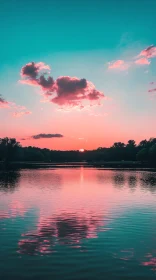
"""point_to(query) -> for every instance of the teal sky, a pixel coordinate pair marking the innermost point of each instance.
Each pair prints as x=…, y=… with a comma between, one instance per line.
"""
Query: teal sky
x=30, y=28
x=79, y=39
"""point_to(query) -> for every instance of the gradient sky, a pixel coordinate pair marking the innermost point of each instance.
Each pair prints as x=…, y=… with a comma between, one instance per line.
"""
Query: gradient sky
x=100, y=41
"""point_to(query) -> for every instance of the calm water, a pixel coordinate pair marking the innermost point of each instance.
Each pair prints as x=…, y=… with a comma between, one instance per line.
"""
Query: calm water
x=78, y=224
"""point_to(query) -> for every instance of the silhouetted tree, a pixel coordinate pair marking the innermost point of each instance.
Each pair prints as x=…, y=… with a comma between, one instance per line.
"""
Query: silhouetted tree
x=131, y=144
x=143, y=144
x=130, y=150
x=152, y=154
x=8, y=148
x=142, y=155
x=118, y=145
x=145, y=151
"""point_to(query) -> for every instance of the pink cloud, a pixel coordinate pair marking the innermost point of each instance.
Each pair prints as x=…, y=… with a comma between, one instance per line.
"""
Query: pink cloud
x=152, y=93
x=152, y=90
x=20, y=114
x=43, y=66
x=142, y=61
x=119, y=65
x=21, y=107
x=4, y=103
x=46, y=84
x=29, y=82
x=71, y=91
x=64, y=91
x=20, y=110
x=32, y=69
x=33, y=76
x=149, y=52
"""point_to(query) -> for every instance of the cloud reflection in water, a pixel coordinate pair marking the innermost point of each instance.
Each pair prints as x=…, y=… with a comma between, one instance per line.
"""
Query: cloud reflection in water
x=66, y=229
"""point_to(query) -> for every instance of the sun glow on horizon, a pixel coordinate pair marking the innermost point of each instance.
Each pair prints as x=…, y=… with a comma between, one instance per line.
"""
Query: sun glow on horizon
x=81, y=150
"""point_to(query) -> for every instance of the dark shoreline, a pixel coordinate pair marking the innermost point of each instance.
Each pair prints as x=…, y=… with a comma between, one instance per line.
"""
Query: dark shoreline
x=103, y=165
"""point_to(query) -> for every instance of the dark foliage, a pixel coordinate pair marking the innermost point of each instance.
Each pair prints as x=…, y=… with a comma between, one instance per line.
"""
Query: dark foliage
x=145, y=152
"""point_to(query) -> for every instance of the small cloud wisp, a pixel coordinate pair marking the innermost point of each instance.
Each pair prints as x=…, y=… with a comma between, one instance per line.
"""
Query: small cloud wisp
x=118, y=65
x=142, y=61
x=20, y=114
x=4, y=103
x=149, y=52
x=20, y=110
x=47, y=136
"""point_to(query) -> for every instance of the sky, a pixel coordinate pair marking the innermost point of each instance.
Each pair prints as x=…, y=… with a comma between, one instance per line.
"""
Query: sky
x=77, y=74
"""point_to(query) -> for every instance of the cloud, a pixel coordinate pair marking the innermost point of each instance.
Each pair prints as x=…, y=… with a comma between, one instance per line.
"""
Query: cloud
x=31, y=70
x=142, y=61
x=144, y=55
x=152, y=90
x=4, y=103
x=20, y=114
x=64, y=91
x=152, y=93
x=30, y=82
x=46, y=84
x=71, y=91
x=44, y=135
x=20, y=110
x=118, y=65
x=149, y=52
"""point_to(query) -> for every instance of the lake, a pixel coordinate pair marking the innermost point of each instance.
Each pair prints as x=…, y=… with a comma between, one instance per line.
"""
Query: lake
x=77, y=223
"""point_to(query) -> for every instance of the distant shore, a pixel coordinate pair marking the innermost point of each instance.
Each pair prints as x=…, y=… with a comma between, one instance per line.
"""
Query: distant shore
x=100, y=164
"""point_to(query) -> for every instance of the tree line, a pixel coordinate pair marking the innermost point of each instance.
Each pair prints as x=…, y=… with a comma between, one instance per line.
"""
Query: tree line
x=145, y=151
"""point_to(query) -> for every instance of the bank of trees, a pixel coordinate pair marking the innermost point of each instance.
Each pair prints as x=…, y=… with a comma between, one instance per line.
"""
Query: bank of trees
x=145, y=151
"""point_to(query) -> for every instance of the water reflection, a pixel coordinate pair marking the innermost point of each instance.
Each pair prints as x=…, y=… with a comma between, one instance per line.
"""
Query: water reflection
x=148, y=181
x=57, y=213
x=15, y=209
x=66, y=229
x=132, y=182
x=151, y=262
x=49, y=179
x=135, y=179
x=119, y=180
x=9, y=181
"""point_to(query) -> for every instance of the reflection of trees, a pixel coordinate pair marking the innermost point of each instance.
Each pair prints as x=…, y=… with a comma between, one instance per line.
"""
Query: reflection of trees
x=145, y=180
x=103, y=177
x=148, y=181
x=119, y=180
x=66, y=229
x=132, y=182
x=42, y=179
x=9, y=181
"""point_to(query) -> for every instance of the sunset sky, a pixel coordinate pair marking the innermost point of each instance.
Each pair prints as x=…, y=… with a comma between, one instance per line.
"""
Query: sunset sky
x=101, y=60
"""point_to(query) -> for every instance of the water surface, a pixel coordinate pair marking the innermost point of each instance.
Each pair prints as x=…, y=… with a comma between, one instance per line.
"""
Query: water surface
x=77, y=223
